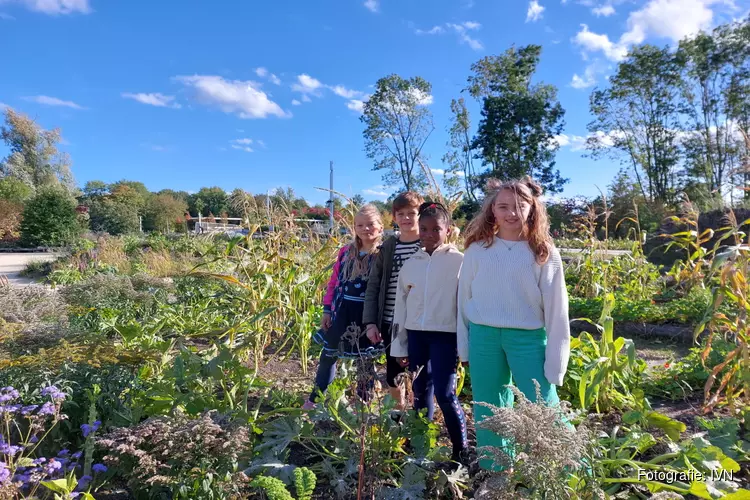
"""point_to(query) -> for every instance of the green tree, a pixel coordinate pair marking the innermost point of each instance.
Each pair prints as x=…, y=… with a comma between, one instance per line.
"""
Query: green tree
x=118, y=211
x=397, y=125
x=95, y=189
x=49, y=219
x=34, y=158
x=358, y=200
x=14, y=190
x=213, y=200
x=519, y=119
x=163, y=212
x=636, y=119
x=460, y=156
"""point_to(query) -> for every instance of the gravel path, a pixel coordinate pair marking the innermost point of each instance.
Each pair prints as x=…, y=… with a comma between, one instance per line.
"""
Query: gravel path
x=11, y=264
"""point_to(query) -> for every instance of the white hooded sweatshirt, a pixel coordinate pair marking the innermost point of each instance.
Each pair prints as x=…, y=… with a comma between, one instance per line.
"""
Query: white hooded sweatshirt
x=427, y=295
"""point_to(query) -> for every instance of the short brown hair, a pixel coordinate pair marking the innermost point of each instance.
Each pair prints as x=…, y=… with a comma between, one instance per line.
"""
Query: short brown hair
x=407, y=199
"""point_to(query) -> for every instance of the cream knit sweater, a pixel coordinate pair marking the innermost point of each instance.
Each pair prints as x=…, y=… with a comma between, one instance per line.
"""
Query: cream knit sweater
x=503, y=286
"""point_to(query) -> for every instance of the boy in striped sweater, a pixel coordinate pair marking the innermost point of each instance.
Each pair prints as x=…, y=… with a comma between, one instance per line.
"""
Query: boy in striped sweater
x=380, y=298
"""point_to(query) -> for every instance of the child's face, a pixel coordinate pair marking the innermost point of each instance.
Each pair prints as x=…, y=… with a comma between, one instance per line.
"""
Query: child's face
x=510, y=212
x=432, y=232
x=368, y=228
x=406, y=218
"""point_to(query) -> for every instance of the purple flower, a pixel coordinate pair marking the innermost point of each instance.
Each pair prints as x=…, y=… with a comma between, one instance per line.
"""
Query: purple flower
x=90, y=429
x=47, y=409
x=84, y=482
x=4, y=472
x=40, y=461
x=27, y=410
x=52, y=467
x=8, y=394
x=54, y=393
x=34, y=439
x=99, y=468
x=9, y=409
x=77, y=455
x=8, y=449
x=64, y=452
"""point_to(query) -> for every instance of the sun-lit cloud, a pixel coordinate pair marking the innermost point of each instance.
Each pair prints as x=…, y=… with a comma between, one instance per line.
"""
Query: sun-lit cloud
x=52, y=101
x=153, y=99
x=55, y=7
x=534, y=12
x=243, y=98
x=372, y=5
x=603, y=10
x=461, y=30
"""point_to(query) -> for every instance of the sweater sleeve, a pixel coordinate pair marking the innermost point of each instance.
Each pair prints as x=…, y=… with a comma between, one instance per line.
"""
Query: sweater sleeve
x=371, y=311
x=400, y=342
x=465, y=277
x=556, y=321
x=333, y=282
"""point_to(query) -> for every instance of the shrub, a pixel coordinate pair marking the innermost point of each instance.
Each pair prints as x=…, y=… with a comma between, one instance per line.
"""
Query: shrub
x=10, y=220
x=166, y=455
x=50, y=219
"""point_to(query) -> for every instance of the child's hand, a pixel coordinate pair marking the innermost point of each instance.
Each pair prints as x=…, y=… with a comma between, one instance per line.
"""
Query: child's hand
x=373, y=334
x=403, y=361
x=325, y=323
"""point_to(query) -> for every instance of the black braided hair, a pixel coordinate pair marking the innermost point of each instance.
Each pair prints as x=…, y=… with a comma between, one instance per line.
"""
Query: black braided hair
x=436, y=210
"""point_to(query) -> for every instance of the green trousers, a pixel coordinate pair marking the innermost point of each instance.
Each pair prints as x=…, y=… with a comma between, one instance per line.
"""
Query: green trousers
x=499, y=357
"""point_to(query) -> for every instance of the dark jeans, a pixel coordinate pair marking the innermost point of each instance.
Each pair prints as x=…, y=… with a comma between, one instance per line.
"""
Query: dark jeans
x=392, y=367
x=435, y=356
x=327, y=372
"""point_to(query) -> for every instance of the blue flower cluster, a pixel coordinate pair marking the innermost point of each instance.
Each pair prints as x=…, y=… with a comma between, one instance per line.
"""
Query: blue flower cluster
x=18, y=469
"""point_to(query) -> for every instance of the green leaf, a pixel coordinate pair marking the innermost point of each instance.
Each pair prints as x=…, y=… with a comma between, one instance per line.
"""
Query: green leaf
x=673, y=428
x=58, y=486
x=700, y=490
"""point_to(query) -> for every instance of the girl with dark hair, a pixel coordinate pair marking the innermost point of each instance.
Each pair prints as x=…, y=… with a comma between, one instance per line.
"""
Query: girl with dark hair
x=425, y=322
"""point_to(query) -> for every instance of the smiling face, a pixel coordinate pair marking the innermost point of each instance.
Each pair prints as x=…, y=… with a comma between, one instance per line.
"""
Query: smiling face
x=511, y=212
x=406, y=218
x=368, y=229
x=433, y=232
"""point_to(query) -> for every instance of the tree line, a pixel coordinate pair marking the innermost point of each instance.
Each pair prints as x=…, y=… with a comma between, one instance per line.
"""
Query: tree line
x=678, y=119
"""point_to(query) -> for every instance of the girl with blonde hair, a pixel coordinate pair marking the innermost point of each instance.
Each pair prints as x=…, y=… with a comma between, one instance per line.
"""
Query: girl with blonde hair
x=342, y=332
x=512, y=304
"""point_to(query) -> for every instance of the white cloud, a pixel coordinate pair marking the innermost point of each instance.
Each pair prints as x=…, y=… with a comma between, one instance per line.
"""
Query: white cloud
x=243, y=141
x=306, y=98
x=561, y=140
x=372, y=5
x=4, y=106
x=463, y=35
x=55, y=7
x=246, y=149
x=422, y=98
x=344, y=92
x=534, y=12
x=461, y=30
x=274, y=79
x=661, y=19
x=435, y=30
x=375, y=192
x=154, y=99
x=603, y=10
x=233, y=96
x=295, y=102
x=356, y=105
x=52, y=101
x=307, y=84
x=587, y=80
x=437, y=171
x=593, y=42
x=264, y=73
x=260, y=143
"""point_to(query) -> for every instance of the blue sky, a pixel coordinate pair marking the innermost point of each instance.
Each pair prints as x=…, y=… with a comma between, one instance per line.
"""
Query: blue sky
x=258, y=95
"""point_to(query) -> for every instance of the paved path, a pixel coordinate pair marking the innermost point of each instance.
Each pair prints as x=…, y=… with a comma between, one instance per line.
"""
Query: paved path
x=11, y=264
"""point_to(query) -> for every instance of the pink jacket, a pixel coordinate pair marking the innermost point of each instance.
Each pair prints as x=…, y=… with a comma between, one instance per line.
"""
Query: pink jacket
x=334, y=281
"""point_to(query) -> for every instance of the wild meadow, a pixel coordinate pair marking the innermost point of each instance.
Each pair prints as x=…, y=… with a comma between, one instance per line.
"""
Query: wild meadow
x=175, y=367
